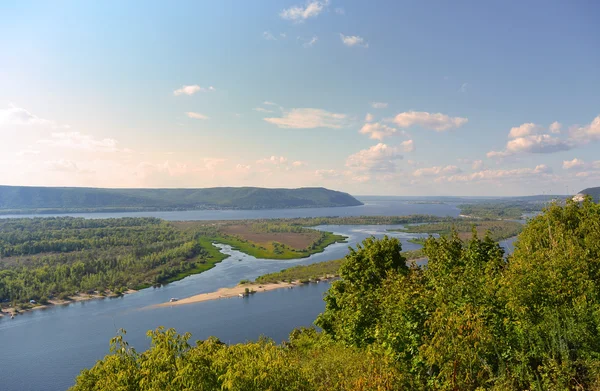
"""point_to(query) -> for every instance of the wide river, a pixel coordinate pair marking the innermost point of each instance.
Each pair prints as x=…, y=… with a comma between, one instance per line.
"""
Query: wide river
x=46, y=349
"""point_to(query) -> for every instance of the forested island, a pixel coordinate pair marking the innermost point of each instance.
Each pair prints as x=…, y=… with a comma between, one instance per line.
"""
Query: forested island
x=471, y=320
x=50, y=259
x=59, y=259
x=24, y=199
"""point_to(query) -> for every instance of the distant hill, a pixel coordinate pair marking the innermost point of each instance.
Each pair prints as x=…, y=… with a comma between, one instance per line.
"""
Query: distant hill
x=592, y=191
x=42, y=199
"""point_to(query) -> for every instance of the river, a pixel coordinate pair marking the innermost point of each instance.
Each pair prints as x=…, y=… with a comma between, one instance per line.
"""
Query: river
x=46, y=349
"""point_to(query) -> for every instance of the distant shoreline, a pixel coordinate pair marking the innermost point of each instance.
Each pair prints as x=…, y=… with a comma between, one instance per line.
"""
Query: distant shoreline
x=12, y=311
x=20, y=212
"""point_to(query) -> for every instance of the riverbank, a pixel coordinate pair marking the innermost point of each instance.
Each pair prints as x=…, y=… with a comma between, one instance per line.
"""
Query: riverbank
x=13, y=311
x=240, y=290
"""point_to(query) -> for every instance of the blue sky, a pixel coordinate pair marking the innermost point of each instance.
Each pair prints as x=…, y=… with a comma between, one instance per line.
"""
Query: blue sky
x=386, y=97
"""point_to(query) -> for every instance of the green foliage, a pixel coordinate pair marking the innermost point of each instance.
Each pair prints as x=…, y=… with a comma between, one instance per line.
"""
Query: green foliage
x=56, y=257
x=313, y=272
x=309, y=362
x=279, y=250
x=352, y=302
x=500, y=209
x=474, y=320
x=497, y=229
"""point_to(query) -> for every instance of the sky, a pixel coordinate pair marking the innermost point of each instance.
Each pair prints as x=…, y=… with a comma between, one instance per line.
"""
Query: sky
x=477, y=98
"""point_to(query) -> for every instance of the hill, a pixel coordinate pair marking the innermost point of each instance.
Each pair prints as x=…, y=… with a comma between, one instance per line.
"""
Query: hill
x=19, y=198
x=592, y=191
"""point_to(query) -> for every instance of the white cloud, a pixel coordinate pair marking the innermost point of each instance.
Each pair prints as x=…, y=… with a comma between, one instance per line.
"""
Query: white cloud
x=243, y=167
x=437, y=170
x=276, y=160
x=540, y=170
x=328, y=174
x=191, y=90
x=477, y=165
x=573, y=164
x=340, y=11
x=299, y=14
x=378, y=158
x=76, y=140
x=541, y=143
x=268, y=36
x=497, y=154
x=210, y=163
x=14, y=115
x=299, y=163
x=555, y=127
x=377, y=131
x=438, y=121
x=379, y=105
x=530, y=138
x=63, y=165
x=262, y=110
x=354, y=40
x=269, y=103
x=369, y=117
x=587, y=133
x=525, y=130
x=407, y=146
x=194, y=115
x=310, y=43
x=309, y=119
x=463, y=87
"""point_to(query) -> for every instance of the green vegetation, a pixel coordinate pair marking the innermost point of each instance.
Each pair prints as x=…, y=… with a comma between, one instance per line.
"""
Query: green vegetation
x=56, y=257
x=277, y=250
x=313, y=272
x=420, y=241
x=364, y=220
x=498, y=229
x=471, y=320
x=15, y=199
x=501, y=209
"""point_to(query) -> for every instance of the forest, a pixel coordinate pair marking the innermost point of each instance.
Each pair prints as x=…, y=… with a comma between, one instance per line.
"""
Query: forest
x=43, y=259
x=471, y=320
x=501, y=209
x=48, y=259
x=497, y=229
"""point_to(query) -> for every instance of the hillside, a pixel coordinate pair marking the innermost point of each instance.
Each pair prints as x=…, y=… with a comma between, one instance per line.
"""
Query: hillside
x=17, y=198
x=592, y=191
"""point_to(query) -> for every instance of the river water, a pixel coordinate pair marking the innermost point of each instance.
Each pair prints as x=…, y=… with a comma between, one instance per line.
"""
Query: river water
x=46, y=349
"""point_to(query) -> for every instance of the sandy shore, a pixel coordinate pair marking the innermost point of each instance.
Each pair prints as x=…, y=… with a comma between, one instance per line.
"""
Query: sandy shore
x=51, y=303
x=225, y=293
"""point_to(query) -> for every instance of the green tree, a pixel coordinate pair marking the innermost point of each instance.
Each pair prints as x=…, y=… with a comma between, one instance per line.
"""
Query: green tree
x=351, y=304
